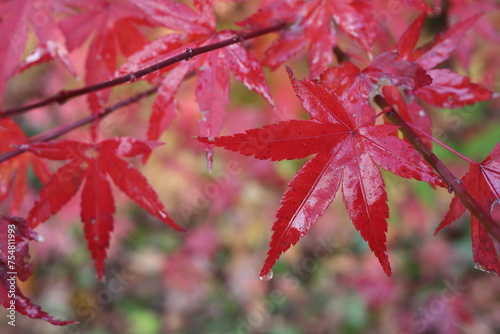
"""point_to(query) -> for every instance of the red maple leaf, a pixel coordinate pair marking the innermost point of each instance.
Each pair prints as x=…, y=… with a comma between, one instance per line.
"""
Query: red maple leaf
x=15, y=262
x=114, y=27
x=16, y=20
x=94, y=162
x=448, y=89
x=311, y=25
x=345, y=153
x=212, y=70
x=483, y=183
x=13, y=172
x=357, y=87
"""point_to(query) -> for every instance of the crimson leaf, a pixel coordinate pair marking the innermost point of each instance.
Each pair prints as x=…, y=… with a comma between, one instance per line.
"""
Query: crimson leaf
x=345, y=153
x=93, y=163
x=13, y=172
x=483, y=183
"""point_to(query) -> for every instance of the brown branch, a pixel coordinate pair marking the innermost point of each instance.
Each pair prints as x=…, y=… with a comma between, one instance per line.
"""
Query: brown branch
x=65, y=95
x=51, y=134
x=453, y=183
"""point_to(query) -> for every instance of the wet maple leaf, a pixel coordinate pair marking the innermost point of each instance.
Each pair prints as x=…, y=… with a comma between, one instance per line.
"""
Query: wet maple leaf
x=483, y=183
x=15, y=262
x=211, y=69
x=311, y=25
x=357, y=87
x=448, y=89
x=94, y=162
x=13, y=172
x=345, y=153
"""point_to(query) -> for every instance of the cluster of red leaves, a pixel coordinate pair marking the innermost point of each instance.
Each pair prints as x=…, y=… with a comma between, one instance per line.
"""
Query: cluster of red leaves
x=345, y=153
x=93, y=162
x=342, y=133
x=349, y=147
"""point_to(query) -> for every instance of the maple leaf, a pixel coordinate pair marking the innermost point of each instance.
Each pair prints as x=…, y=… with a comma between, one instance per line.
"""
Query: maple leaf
x=94, y=162
x=13, y=172
x=448, y=89
x=483, y=183
x=411, y=113
x=311, y=25
x=345, y=153
x=212, y=71
x=356, y=87
x=16, y=20
x=15, y=262
x=114, y=27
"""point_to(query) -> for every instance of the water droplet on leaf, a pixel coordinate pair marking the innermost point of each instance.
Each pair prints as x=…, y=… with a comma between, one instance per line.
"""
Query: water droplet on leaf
x=481, y=267
x=267, y=276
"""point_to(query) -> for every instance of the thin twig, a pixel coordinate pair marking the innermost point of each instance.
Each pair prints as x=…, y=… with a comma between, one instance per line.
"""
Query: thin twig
x=51, y=134
x=65, y=95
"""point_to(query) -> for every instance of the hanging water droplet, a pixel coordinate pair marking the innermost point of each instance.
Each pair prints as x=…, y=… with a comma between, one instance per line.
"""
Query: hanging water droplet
x=267, y=276
x=189, y=51
x=39, y=238
x=132, y=78
x=481, y=267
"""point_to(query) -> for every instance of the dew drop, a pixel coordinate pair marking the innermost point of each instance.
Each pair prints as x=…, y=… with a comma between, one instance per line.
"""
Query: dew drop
x=189, y=51
x=39, y=238
x=132, y=78
x=481, y=267
x=421, y=113
x=92, y=221
x=267, y=276
x=210, y=138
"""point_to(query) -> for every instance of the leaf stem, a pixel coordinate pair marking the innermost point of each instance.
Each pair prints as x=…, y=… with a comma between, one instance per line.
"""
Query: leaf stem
x=65, y=95
x=440, y=143
x=453, y=183
x=54, y=133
